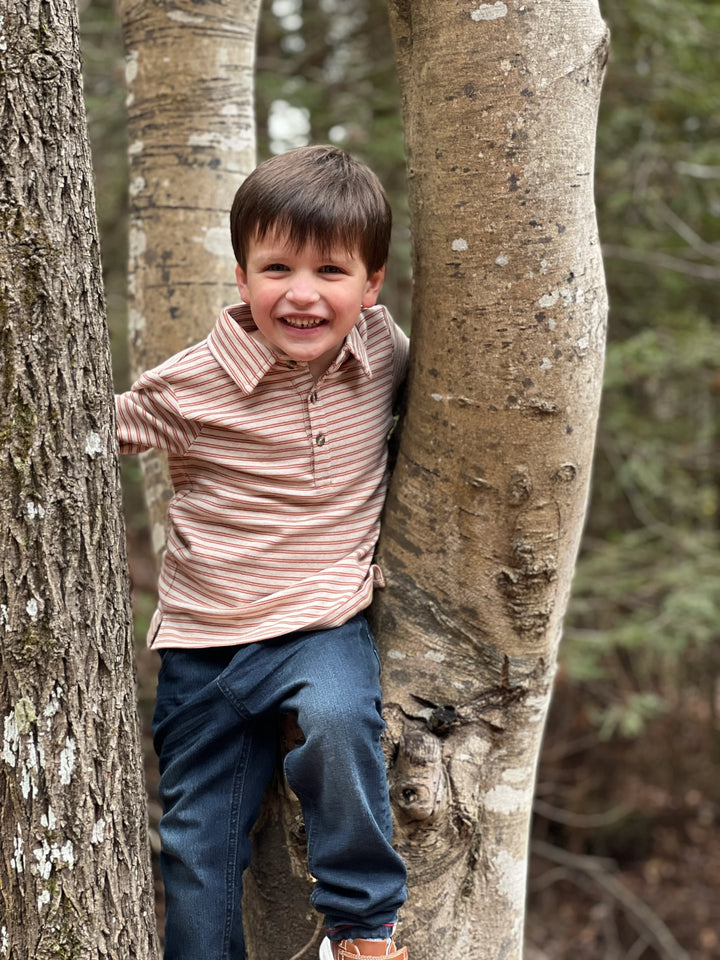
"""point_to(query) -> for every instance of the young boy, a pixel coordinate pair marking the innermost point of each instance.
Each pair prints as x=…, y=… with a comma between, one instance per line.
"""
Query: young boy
x=276, y=428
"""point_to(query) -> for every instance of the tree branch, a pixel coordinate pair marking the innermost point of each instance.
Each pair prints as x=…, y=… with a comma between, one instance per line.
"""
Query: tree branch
x=653, y=258
x=686, y=232
x=643, y=918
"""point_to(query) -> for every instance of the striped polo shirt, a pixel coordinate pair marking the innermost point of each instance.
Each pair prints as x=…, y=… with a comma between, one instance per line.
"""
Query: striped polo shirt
x=279, y=481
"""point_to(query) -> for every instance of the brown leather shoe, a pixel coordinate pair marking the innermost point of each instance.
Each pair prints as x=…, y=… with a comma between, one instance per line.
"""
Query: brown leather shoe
x=349, y=949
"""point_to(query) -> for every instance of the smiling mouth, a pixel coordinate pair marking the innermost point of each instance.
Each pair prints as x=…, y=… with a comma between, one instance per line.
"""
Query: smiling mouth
x=303, y=323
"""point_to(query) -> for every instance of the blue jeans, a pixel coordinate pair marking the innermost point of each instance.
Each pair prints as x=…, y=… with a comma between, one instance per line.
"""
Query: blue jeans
x=215, y=729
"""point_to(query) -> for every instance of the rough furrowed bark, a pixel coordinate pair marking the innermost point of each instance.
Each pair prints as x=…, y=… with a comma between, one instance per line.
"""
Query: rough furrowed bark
x=75, y=877
x=189, y=73
x=487, y=502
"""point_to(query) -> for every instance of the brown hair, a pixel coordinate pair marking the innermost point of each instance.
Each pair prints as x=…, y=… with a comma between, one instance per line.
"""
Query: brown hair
x=319, y=195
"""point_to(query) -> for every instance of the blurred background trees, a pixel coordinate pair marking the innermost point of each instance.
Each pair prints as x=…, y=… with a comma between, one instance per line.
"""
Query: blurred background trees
x=631, y=761
x=646, y=599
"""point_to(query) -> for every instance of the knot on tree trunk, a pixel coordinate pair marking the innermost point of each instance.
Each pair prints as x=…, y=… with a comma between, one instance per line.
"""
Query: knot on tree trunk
x=417, y=786
x=529, y=586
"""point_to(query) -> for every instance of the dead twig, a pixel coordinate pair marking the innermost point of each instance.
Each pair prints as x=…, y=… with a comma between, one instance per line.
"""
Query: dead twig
x=664, y=261
x=647, y=923
x=583, y=821
x=311, y=942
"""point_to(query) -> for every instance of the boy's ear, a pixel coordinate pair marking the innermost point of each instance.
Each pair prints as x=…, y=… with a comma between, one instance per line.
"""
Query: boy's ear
x=372, y=288
x=242, y=284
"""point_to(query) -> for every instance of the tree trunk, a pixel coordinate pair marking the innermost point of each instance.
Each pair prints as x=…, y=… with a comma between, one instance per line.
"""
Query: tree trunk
x=487, y=502
x=75, y=876
x=191, y=143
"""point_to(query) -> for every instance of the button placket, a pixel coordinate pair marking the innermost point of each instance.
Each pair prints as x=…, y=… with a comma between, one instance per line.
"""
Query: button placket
x=318, y=428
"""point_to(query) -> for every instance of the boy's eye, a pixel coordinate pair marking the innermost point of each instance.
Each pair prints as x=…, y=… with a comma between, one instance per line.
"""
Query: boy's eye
x=330, y=268
x=275, y=268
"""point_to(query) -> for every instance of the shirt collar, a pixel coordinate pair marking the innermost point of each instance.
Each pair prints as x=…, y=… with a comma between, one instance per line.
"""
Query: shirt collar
x=247, y=356
x=354, y=346
x=244, y=357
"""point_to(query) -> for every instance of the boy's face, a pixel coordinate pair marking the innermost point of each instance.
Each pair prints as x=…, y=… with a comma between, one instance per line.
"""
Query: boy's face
x=304, y=302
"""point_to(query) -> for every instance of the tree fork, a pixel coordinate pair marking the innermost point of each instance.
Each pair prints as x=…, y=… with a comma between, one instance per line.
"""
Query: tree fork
x=75, y=879
x=486, y=506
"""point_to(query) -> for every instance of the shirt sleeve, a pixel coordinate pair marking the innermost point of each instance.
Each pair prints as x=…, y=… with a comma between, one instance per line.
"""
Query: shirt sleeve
x=149, y=416
x=401, y=352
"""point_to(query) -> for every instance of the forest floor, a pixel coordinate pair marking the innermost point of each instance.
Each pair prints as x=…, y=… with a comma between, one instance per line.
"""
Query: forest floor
x=626, y=842
x=625, y=858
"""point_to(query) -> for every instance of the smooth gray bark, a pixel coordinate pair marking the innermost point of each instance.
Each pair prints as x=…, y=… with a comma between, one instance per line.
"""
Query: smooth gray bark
x=486, y=507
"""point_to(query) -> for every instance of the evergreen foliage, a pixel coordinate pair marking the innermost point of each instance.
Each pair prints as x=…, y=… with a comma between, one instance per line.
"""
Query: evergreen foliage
x=646, y=601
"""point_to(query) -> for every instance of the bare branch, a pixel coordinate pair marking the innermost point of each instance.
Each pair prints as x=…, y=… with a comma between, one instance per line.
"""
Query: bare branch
x=582, y=821
x=701, y=171
x=687, y=233
x=647, y=923
x=653, y=258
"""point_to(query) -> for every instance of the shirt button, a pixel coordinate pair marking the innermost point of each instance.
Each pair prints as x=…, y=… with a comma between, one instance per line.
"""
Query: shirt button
x=313, y=397
x=320, y=439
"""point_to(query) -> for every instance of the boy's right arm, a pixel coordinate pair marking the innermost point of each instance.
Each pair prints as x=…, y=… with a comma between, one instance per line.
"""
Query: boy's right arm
x=149, y=415
x=401, y=352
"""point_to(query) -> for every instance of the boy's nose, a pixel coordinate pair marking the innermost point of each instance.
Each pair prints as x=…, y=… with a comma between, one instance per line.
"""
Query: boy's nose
x=302, y=290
